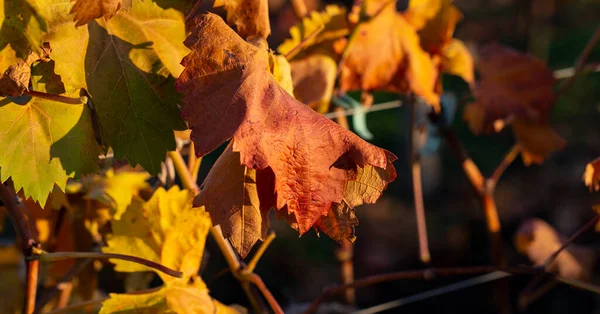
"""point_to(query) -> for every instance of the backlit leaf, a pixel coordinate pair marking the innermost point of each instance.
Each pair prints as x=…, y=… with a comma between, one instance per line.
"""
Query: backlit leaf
x=457, y=60
x=312, y=157
x=314, y=79
x=591, y=176
x=404, y=67
x=127, y=65
x=251, y=17
x=88, y=10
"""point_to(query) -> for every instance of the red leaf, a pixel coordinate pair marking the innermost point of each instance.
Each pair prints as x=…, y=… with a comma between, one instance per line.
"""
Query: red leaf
x=229, y=92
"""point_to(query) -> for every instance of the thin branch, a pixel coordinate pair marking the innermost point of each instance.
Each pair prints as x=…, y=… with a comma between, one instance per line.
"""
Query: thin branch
x=52, y=292
x=508, y=159
x=183, y=172
x=580, y=63
x=292, y=53
x=493, y=225
x=59, y=98
x=299, y=8
x=257, y=281
x=57, y=256
x=414, y=133
x=259, y=253
x=28, y=244
x=193, y=10
x=442, y=272
x=434, y=292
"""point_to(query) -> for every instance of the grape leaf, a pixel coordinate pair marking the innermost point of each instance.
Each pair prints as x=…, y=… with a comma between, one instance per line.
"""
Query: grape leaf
x=15, y=80
x=282, y=72
x=88, y=10
x=229, y=193
x=314, y=79
x=538, y=240
x=591, y=176
x=115, y=190
x=127, y=64
x=405, y=67
x=251, y=17
x=420, y=12
x=457, y=60
x=22, y=26
x=229, y=92
x=45, y=141
x=516, y=88
x=332, y=21
x=167, y=230
x=438, y=31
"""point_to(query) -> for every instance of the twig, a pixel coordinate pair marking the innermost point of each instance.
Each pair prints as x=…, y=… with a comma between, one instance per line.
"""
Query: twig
x=28, y=244
x=292, y=53
x=580, y=63
x=77, y=306
x=546, y=263
x=49, y=294
x=434, y=292
x=193, y=10
x=299, y=8
x=508, y=159
x=183, y=172
x=257, y=281
x=259, y=253
x=59, y=98
x=442, y=272
x=415, y=131
x=57, y=256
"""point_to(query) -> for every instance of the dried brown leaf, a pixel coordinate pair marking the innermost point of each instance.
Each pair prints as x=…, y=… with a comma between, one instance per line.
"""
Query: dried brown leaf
x=251, y=17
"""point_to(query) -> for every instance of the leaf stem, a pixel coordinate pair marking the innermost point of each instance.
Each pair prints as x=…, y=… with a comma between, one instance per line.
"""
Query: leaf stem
x=28, y=244
x=183, y=172
x=415, y=132
x=59, y=98
x=258, y=282
x=507, y=161
x=292, y=53
x=57, y=256
x=580, y=63
x=259, y=253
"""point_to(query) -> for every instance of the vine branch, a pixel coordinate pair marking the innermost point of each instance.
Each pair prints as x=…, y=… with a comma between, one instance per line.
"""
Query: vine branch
x=580, y=63
x=59, y=98
x=28, y=244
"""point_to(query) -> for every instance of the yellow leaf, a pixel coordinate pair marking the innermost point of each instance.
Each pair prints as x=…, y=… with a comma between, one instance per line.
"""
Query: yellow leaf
x=251, y=17
x=314, y=79
x=281, y=70
x=420, y=12
x=166, y=229
x=591, y=176
x=116, y=190
x=457, y=60
x=332, y=21
x=438, y=32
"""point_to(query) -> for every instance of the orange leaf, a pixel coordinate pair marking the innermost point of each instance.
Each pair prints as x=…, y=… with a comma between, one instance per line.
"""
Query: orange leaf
x=538, y=141
x=591, y=176
x=88, y=10
x=314, y=80
x=229, y=92
x=404, y=67
x=457, y=60
x=438, y=32
x=251, y=17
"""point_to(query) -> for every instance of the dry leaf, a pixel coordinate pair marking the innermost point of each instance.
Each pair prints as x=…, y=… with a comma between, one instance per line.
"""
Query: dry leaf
x=314, y=79
x=230, y=195
x=538, y=141
x=512, y=84
x=88, y=10
x=591, y=176
x=420, y=12
x=317, y=28
x=251, y=17
x=404, y=67
x=538, y=240
x=15, y=80
x=229, y=92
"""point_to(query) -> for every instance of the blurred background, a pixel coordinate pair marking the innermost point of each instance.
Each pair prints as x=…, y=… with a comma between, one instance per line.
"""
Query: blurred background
x=296, y=270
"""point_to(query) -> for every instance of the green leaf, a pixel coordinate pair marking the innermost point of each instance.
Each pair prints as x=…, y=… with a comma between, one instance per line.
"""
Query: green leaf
x=127, y=65
x=45, y=142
